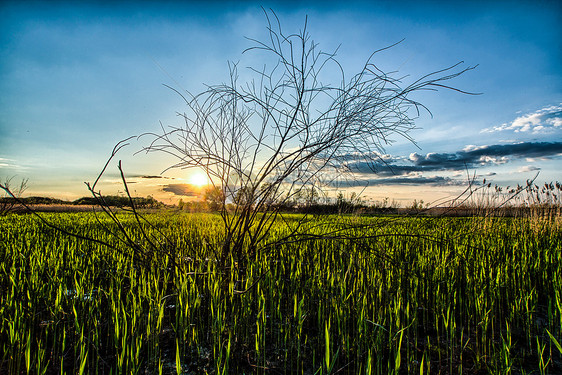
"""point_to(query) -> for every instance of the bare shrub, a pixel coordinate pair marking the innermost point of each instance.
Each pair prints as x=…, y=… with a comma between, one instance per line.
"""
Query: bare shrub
x=289, y=130
x=10, y=195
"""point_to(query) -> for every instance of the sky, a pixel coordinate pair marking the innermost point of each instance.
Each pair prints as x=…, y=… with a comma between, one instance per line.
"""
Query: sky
x=78, y=77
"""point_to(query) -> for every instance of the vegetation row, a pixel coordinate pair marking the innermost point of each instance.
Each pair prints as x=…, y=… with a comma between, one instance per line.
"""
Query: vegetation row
x=413, y=295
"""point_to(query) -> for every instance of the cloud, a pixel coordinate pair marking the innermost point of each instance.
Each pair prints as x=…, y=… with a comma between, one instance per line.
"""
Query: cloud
x=520, y=150
x=181, y=189
x=403, y=180
x=150, y=177
x=381, y=169
x=469, y=157
x=545, y=120
x=528, y=168
x=10, y=163
x=131, y=178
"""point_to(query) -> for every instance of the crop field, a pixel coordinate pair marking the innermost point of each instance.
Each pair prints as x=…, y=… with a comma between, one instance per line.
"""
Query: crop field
x=386, y=295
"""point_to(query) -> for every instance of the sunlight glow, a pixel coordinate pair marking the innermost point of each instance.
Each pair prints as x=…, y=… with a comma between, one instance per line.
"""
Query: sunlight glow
x=199, y=179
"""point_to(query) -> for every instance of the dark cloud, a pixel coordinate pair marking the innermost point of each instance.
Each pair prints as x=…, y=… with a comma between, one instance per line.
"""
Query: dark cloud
x=414, y=180
x=129, y=176
x=521, y=150
x=383, y=169
x=153, y=177
x=181, y=189
x=470, y=157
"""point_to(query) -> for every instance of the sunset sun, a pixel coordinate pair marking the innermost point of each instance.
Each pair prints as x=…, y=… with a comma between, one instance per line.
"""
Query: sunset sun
x=199, y=179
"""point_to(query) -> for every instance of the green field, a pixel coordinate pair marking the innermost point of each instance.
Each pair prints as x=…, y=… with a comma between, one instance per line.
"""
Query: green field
x=386, y=295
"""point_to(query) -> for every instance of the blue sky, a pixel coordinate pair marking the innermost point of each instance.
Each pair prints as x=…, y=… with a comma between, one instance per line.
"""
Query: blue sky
x=78, y=78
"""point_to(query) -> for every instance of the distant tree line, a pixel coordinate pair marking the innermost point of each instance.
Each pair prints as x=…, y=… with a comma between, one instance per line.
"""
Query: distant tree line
x=111, y=200
x=306, y=200
x=119, y=201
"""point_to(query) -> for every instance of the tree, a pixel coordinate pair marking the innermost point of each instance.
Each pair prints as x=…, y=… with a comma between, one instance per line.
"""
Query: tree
x=287, y=129
x=215, y=198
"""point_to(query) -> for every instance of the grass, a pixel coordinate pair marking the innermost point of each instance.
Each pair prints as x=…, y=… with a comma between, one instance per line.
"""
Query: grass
x=412, y=295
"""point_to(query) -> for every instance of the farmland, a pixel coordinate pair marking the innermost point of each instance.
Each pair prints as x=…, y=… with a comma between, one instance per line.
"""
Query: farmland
x=386, y=295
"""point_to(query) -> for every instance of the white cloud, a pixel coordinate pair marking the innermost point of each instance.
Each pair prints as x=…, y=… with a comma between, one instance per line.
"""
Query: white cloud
x=11, y=164
x=414, y=156
x=485, y=159
x=386, y=157
x=469, y=148
x=543, y=121
x=556, y=122
x=528, y=168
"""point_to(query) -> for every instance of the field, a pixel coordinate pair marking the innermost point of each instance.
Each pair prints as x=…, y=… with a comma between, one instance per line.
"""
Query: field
x=405, y=295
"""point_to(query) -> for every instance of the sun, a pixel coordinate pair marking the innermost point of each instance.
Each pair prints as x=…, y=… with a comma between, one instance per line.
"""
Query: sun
x=199, y=179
